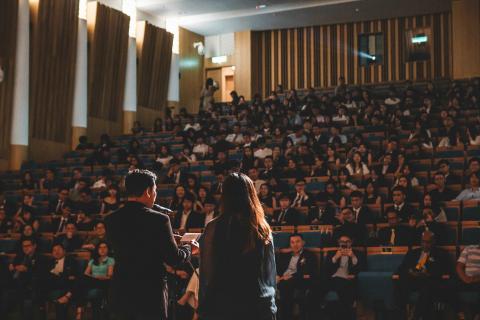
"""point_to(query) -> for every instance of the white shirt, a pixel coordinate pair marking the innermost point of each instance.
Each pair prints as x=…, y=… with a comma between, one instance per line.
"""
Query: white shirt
x=99, y=184
x=257, y=184
x=342, y=271
x=209, y=217
x=200, y=148
x=58, y=267
x=235, y=138
x=183, y=220
x=262, y=153
x=392, y=101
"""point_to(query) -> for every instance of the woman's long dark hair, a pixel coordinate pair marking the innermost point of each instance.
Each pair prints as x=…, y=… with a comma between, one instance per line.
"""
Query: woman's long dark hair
x=96, y=255
x=240, y=205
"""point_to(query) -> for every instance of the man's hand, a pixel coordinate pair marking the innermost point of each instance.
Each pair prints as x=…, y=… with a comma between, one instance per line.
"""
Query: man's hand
x=287, y=277
x=11, y=267
x=469, y=280
x=338, y=255
x=195, y=248
x=182, y=274
x=21, y=268
x=350, y=252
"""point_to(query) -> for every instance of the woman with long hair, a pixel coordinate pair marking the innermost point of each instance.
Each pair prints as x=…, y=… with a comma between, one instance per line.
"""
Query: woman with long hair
x=237, y=263
x=95, y=281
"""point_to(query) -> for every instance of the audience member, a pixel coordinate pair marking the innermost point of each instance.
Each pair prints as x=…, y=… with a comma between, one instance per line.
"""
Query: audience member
x=296, y=275
x=422, y=270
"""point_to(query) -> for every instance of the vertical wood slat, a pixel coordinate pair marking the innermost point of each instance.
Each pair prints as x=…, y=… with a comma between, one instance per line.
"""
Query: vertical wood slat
x=317, y=56
x=8, y=46
x=154, y=59
x=53, y=51
x=107, y=62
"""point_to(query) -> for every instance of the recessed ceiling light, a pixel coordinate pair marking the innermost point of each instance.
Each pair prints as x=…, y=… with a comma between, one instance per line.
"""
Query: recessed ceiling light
x=357, y=10
x=261, y=6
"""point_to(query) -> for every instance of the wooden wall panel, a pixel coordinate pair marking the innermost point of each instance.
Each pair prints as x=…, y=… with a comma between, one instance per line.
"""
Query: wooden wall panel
x=8, y=45
x=107, y=64
x=53, y=52
x=466, y=43
x=154, y=55
x=191, y=70
x=317, y=56
x=243, y=60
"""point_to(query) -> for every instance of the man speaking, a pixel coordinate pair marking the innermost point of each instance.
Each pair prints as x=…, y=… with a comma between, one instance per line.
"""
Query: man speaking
x=143, y=241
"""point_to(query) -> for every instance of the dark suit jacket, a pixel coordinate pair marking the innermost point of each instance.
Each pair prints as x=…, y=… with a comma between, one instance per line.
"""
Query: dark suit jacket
x=357, y=232
x=304, y=202
x=53, y=204
x=365, y=216
x=56, y=223
x=142, y=240
x=331, y=268
x=291, y=218
x=70, y=245
x=437, y=265
x=36, y=269
x=194, y=220
x=63, y=281
x=268, y=174
x=403, y=236
x=324, y=215
x=439, y=229
x=171, y=180
x=306, y=265
x=406, y=212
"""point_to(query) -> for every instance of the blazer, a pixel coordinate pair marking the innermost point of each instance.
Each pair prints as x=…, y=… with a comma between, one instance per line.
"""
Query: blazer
x=305, y=202
x=234, y=284
x=406, y=212
x=291, y=218
x=194, y=220
x=306, y=265
x=324, y=215
x=437, y=265
x=403, y=236
x=365, y=216
x=357, y=232
x=142, y=240
x=64, y=280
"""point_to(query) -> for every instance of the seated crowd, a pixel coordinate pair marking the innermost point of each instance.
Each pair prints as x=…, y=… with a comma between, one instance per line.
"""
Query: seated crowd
x=379, y=167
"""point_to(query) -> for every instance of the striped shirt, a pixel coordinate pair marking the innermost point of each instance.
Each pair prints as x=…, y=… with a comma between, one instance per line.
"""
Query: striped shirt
x=470, y=257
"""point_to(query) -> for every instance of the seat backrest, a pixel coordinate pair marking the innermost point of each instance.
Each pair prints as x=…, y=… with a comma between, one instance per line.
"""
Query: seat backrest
x=384, y=262
x=470, y=233
x=281, y=239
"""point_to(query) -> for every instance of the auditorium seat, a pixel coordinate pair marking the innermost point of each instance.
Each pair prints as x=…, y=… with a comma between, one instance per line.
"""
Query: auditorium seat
x=316, y=236
x=470, y=233
x=8, y=245
x=375, y=284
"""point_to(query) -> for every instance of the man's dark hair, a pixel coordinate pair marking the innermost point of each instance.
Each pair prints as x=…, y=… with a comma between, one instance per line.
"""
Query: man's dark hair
x=399, y=188
x=443, y=161
x=137, y=181
x=296, y=235
x=356, y=194
x=58, y=244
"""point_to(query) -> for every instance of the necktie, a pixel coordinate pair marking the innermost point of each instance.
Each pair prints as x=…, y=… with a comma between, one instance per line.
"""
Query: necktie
x=298, y=201
x=392, y=237
x=421, y=264
x=281, y=216
x=61, y=225
x=59, y=206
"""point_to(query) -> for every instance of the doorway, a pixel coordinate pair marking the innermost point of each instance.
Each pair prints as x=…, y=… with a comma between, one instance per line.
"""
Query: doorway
x=225, y=79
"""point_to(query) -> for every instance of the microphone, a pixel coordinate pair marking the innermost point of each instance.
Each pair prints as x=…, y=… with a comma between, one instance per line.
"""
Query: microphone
x=162, y=209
